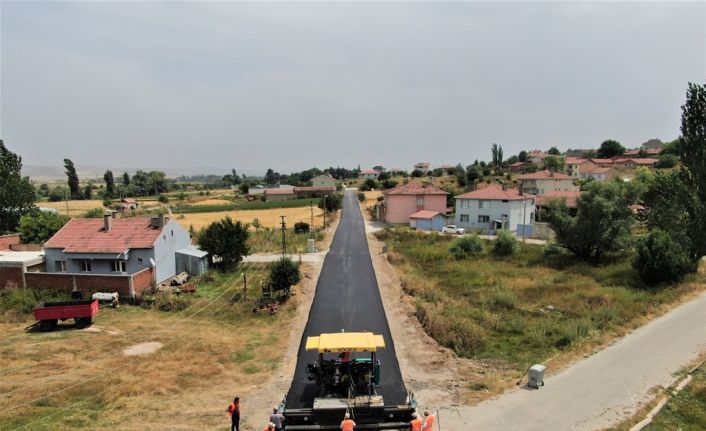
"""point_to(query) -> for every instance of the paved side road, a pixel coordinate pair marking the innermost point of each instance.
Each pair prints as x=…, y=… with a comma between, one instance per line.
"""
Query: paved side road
x=603, y=389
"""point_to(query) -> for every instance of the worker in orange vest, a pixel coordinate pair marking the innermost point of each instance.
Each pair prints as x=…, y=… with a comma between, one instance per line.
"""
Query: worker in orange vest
x=234, y=413
x=416, y=424
x=428, y=421
x=270, y=427
x=347, y=424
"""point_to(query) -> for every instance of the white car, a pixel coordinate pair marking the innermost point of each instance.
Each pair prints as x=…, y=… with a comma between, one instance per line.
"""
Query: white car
x=453, y=229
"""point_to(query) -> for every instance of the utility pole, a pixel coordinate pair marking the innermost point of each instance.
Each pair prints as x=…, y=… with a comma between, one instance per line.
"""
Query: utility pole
x=284, y=240
x=325, y=196
x=66, y=196
x=311, y=207
x=524, y=219
x=245, y=286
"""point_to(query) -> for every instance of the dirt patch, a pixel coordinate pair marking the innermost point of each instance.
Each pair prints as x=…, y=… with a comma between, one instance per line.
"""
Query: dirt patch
x=143, y=349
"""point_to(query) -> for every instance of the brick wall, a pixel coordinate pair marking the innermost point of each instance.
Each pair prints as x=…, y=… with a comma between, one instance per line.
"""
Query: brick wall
x=7, y=240
x=142, y=280
x=44, y=280
x=10, y=278
x=87, y=284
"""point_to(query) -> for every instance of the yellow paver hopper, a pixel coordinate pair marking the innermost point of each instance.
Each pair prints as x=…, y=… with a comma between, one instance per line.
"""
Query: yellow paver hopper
x=341, y=342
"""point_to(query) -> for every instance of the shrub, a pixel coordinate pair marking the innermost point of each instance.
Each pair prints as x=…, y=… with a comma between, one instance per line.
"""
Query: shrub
x=301, y=227
x=660, y=259
x=368, y=185
x=23, y=301
x=466, y=246
x=361, y=196
x=284, y=274
x=505, y=244
x=163, y=199
x=94, y=213
x=552, y=250
x=667, y=161
x=167, y=301
x=37, y=228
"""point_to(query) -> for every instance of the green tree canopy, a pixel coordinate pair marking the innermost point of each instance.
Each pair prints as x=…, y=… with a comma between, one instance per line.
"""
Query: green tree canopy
x=660, y=259
x=72, y=179
x=522, y=156
x=554, y=151
x=38, y=227
x=332, y=202
x=109, y=184
x=610, y=148
x=284, y=274
x=226, y=240
x=16, y=193
x=554, y=163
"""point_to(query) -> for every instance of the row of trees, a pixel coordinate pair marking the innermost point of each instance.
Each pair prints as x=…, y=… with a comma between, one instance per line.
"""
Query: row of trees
x=672, y=206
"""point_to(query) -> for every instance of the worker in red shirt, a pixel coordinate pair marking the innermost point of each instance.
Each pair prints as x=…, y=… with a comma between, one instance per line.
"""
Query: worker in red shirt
x=234, y=413
x=428, y=421
x=270, y=427
x=347, y=424
x=416, y=424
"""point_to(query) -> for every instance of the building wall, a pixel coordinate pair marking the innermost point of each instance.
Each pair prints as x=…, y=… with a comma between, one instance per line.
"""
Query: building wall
x=7, y=240
x=279, y=198
x=10, y=277
x=400, y=207
x=323, y=181
x=436, y=223
x=515, y=210
x=124, y=285
x=101, y=263
x=173, y=238
x=542, y=186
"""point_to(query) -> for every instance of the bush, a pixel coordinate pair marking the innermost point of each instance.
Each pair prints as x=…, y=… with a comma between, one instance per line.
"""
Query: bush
x=163, y=199
x=552, y=250
x=667, y=161
x=466, y=246
x=368, y=185
x=94, y=213
x=660, y=259
x=505, y=244
x=167, y=301
x=361, y=196
x=24, y=300
x=284, y=274
x=301, y=227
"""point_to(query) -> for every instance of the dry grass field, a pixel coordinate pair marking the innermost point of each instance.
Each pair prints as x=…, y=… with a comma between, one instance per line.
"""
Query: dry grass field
x=371, y=197
x=212, y=202
x=76, y=208
x=267, y=217
x=70, y=379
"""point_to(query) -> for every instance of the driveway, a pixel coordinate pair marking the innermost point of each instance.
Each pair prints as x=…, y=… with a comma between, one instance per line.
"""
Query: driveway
x=603, y=389
x=347, y=298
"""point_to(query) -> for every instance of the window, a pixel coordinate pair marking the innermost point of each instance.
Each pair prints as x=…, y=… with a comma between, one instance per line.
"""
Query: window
x=484, y=205
x=483, y=219
x=464, y=218
x=465, y=203
x=119, y=266
x=85, y=266
x=60, y=265
x=420, y=200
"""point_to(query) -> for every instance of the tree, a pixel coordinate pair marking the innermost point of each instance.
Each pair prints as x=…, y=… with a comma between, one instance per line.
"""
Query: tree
x=225, y=239
x=332, y=202
x=38, y=227
x=554, y=163
x=72, y=179
x=126, y=179
x=417, y=173
x=461, y=176
x=301, y=227
x=667, y=161
x=369, y=184
x=88, y=191
x=554, y=151
x=284, y=274
x=16, y=193
x=660, y=259
x=109, y=184
x=511, y=160
x=602, y=222
x=474, y=173
x=497, y=154
x=522, y=156
x=271, y=177
x=610, y=148
x=244, y=188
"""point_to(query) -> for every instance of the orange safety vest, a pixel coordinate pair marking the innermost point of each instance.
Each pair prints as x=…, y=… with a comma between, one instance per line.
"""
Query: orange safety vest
x=347, y=425
x=429, y=423
x=232, y=408
x=267, y=428
x=416, y=424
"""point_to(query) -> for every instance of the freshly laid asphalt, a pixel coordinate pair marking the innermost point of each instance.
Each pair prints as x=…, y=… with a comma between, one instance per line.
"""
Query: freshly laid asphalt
x=347, y=298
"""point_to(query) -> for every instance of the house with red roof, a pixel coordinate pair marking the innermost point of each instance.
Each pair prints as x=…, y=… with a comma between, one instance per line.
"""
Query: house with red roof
x=279, y=194
x=117, y=255
x=493, y=208
x=427, y=220
x=541, y=182
x=406, y=199
x=598, y=173
x=368, y=174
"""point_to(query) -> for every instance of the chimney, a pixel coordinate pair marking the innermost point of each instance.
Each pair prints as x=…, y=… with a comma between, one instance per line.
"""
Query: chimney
x=522, y=188
x=160, y=221
x=107, y=222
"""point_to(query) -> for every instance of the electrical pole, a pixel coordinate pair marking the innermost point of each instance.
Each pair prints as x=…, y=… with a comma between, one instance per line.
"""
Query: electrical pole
x=325, y=196
x=311, y=207
x=284, y=240
x=245, y=286
x=524, y=219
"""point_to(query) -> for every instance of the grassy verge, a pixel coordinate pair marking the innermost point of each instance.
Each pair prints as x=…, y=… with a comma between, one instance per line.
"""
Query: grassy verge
x=525, y=309
x=70, y=379
x=243, y=205
x=269, y=240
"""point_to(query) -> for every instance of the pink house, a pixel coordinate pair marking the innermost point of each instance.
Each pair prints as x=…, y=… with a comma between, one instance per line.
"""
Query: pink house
x=407, y=199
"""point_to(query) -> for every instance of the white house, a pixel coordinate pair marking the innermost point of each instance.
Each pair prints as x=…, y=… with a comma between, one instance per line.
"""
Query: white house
x=368, y=173
x=539, y=183
x=597, y=173
x=323, y=181
x=493, y=208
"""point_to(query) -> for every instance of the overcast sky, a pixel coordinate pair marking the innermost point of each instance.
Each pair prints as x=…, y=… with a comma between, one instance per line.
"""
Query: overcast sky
x=295, y=85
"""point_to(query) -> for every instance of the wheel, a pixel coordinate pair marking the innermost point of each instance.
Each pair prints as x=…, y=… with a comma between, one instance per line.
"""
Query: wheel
x=458, y=232
x=76, y=295
x=48, y=325
x=82, y=322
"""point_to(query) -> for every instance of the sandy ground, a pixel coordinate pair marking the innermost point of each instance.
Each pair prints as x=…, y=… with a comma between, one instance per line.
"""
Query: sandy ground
x=267, y=217
x=143, y=348
x=258, y=400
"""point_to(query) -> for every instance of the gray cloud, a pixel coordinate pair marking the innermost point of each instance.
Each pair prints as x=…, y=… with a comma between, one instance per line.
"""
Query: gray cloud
x=292, y=85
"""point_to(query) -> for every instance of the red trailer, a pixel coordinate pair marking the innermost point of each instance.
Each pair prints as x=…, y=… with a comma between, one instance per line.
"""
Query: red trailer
x=82, y=311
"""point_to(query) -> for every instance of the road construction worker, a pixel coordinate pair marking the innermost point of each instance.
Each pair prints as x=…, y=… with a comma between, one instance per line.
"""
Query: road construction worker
x=428, y=421
x=416, y=424
x=270, y=427
x=347, y=424
x=234, y=413
x=277, y=418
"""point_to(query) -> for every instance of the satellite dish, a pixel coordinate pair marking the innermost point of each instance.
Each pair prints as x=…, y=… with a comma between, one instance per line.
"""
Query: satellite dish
x=152, y=262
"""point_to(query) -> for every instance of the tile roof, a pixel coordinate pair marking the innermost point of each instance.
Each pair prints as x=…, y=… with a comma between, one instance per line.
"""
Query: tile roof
x=569, y=197
x=494, y=192
x=602, y=161
x=86, y=235
x=415, y=189
x=575, y=160
x=424, y=214
x=369, y=171
x=544, y=175
x=315, y=189
x=519, y=164
x=636, y=161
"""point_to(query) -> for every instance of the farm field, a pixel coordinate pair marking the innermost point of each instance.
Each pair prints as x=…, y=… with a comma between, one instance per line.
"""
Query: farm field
x=70, y=379
x=510, y=313
x=371, y=197
x=267, y=217
x=76, y=208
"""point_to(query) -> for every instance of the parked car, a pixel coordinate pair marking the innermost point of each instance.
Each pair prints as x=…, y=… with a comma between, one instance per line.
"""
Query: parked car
x=453, y=229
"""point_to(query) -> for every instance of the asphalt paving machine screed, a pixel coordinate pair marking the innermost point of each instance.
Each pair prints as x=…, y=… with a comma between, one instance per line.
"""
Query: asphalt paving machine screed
x=347, y=374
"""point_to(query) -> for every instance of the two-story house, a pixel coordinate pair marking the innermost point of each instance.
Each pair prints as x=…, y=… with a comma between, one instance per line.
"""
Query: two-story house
x=597, y=173
x=538, y=183
x=323, y=181
x=368, y=174
x=493, y=208
x=407, y=199
x=573, y=166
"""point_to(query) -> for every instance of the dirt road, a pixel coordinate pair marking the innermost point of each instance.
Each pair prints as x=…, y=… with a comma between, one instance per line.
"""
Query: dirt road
x=603, y=389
